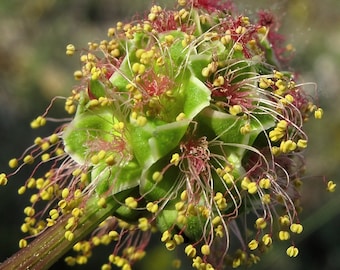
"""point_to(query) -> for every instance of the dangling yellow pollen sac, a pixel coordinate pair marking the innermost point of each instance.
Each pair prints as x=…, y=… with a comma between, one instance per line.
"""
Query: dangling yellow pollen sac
x=235, y=110
x=287, y=146
x=102, y=202
x=157, y=176
x=253, y=244
x=292, y=251
x=70, y=49
x=318, y=114
x=38, y=122
x=205, y=249
x=29, y=211
x=265, y=183
x=22, y=243
x=261, y=223
x=244, y=183
x=180, y=117
x=296, y=228
x=3, y=179
x=166, y=236
x=267, y=240
x=131, y=202
x=69, y=235
x=219, y=81
x=284, y=220
x=152, y=207
x=252, y=188
x=302, y=143
x=28, y=159
x=175, y=159
x=13, y=163
x=331, y=186
x=284, y=235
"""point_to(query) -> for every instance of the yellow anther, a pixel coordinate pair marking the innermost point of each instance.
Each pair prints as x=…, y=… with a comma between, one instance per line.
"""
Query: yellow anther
x=182, y=219
x=267, y=240
x=143, y=224
x=141, y=121
x=106, y=266
x=65, y=192
x=180, y=117
x=169, y=39
x=282, y=125
x=261, y=223
x=244, y=183
x=275, y=150
x=216, y=220
x=184, y=195
x=54, y=214
x=102, y=202
x=265, y=183
x=25, y=228
x=114, y=235
x=331, y=186
x=45, y=157
x=29, y=211
x=34, y=198
x=235, y=109
x=175, y=159
x=287, y=146
x=152, y=207
x=219, y=81
x=170, y=245
x=13, y=163
x=219, y=231
x=228, y=178
x=4, y=180
x=296, y=228
x=265, y=83
x=131, y=202
x=245, y=129
x=178, y=239
x=166, y=236
x=289, y=98
x=252, y=188
x=253, y=244
x=302, y=143
x=205, y=249
x=157, y=176
x=284, y=235
x=78, y=74
x=266, y=199
x=318, y=114
x=77, y=193
x=110, y=160
x=292, y=251
x=21, y=190
x=28, y=159
x=238, y=46
x=70, y=49
x=284, y=220
x=236, y=262
x=179, y=206
x=22, y=243
x=182, y=2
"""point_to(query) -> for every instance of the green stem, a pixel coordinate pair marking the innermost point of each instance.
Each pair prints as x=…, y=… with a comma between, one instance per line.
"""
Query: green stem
x=51, y=245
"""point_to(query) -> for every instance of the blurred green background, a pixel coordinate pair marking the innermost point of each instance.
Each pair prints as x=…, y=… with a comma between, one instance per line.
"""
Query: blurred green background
x=34, y=68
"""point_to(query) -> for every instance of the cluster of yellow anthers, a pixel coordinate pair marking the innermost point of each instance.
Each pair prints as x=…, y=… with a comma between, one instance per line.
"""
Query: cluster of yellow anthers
x=208, y=78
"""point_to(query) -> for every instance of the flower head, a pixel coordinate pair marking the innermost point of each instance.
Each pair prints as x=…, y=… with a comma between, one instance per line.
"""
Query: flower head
x=181, y=123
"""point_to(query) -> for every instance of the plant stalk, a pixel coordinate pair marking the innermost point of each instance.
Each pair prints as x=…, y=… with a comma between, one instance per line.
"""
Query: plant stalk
x=51, y=245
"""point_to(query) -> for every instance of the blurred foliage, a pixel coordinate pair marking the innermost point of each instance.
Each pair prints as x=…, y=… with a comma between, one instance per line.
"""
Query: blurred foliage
x=34, y=68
